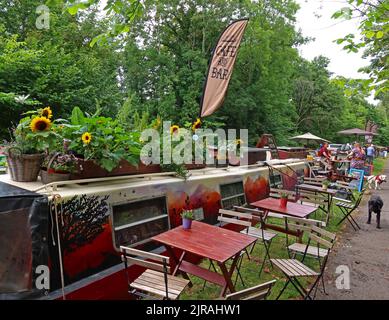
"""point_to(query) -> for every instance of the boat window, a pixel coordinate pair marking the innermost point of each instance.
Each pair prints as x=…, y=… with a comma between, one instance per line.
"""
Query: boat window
x=275, y=181
x=232, y=194
x=136, y=222
x=300, y=176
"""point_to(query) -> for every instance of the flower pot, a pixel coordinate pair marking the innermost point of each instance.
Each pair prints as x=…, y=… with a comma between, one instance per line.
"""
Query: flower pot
x=186, y=223
x=194, y=166
x=48, y=176
x=283, y=202
x=23, y=167
x=324, y=187
x=87, y=169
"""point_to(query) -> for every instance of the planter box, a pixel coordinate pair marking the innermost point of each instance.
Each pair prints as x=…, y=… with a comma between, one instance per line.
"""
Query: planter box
x=89, y=169
x=194, y=166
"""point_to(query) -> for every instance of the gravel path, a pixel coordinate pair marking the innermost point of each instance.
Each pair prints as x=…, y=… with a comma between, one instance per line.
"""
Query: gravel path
x=364, y=252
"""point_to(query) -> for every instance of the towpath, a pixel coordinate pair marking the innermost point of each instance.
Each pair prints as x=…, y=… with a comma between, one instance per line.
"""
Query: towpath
x=365, y=253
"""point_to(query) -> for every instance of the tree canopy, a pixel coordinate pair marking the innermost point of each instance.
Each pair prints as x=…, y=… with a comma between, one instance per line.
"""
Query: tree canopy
x=152, y=56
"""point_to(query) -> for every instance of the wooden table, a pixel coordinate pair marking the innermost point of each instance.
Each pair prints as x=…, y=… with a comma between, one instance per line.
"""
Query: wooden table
x=317, y=189
x=210, y=242
x=292, y=209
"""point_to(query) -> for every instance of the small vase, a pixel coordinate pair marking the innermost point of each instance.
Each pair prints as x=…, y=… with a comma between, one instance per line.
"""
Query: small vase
x=186, y=223
x=283, y=202
x=324, y=187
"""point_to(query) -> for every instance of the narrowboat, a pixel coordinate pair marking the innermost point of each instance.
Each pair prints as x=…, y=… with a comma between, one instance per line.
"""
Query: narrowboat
x=74, y=228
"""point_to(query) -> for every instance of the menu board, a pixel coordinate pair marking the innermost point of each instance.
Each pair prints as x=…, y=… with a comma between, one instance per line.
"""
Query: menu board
x=357, y=183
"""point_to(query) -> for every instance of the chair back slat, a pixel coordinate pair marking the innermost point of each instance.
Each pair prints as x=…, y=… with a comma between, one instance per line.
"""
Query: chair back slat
x=320, y=240
x=304, y=221
x=298, y=227
x=144, y=254
x=147, y=264
x=235, y=214
x=259, y=292
x=323, y=232
x=234, y=221
x=253, y=212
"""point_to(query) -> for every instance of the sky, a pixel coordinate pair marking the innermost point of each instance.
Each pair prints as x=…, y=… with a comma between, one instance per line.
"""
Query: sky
x=314, y=20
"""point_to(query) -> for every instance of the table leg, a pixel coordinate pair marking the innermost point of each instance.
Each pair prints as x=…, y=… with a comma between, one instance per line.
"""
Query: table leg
x=228, y=275
x=330, y=198
x=178, y=263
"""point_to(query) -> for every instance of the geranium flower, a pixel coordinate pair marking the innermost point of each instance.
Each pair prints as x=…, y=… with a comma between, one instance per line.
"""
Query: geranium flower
x=40, y=124
x=86, y=138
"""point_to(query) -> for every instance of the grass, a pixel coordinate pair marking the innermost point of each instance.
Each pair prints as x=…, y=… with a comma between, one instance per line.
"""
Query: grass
x=250, y=268
x=379, y=164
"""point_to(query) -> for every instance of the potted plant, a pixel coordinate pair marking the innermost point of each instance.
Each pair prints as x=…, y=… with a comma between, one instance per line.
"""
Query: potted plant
x=187, y=218
x=58, y=167
x=325, y=184
x=33, y=135
x=283, y=200
x=103, y=147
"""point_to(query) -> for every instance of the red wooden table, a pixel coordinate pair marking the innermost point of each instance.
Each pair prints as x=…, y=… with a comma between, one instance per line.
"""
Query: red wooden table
x=292, y=209
x=210, y=242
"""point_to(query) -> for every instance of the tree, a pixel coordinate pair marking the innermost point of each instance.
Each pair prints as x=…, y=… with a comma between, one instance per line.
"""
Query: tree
x=373, y=24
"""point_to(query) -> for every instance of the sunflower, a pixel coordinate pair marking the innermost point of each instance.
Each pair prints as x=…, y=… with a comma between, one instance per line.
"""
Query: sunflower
x=157, y=123
x=86, y=138
x=174, y=129
x=47, y=113
x=40, y=124
x=196, y=124
x=238, y=141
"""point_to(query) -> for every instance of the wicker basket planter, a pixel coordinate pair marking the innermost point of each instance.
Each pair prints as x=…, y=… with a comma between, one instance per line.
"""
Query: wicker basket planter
x=23, y=167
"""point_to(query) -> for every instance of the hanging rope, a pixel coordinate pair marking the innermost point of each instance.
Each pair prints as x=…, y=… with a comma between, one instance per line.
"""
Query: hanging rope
x=56, y=201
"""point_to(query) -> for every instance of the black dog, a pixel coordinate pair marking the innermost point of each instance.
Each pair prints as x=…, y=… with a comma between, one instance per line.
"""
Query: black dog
x=375, y=205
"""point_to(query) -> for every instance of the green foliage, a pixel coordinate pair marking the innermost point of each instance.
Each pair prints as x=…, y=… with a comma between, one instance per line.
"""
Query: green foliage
x=29, y=137
x=373, y=25
x=187, y=214
x=158, y=63
x=109, y=142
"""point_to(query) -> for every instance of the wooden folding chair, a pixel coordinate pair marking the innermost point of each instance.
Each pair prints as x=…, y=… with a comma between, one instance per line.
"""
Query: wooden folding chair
x=307, y=250
x=314, y=199
x=259, y=292
x=260, y=233
x=155, y=281
x=347, y=208
x=294, y=269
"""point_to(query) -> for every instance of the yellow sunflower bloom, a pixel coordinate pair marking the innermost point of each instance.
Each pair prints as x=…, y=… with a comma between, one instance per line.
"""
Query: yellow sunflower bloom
x=40, y=124
x=47, y=113
x=238, y=141
x=196, y=124
x=174, y=129
x=86, y=138
x=157, y=123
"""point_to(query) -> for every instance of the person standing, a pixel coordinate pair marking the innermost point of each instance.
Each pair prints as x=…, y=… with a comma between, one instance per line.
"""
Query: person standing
x=357, y=156
x=370, y=152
